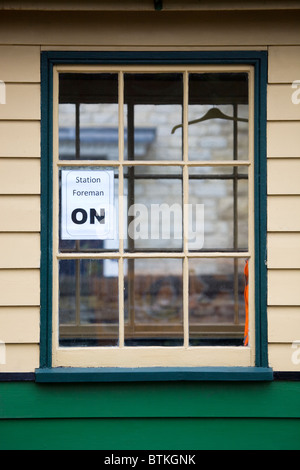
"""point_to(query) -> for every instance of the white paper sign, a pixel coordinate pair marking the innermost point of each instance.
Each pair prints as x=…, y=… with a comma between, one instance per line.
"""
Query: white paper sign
x=87, y=204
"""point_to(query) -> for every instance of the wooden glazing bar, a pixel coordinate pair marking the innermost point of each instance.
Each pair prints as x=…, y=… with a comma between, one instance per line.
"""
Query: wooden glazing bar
x=185, y=201
x=165, y=163
x=153, y=254
x=121, y=208
x=235, y=217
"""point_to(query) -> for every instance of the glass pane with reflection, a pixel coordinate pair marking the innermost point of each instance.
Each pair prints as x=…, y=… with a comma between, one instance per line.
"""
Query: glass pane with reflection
x=216, y=301
x=88, y=116
x=88, y=302
x=154, y=197
x=218, y=116
x=218, y=209
x=152, y=107
x=153, y=302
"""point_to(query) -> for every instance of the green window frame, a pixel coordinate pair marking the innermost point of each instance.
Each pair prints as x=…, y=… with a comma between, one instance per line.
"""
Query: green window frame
x=258, y=61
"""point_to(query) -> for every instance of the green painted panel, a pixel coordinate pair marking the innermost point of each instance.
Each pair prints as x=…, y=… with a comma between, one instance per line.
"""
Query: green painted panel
x=146, y=434
x=161, y=399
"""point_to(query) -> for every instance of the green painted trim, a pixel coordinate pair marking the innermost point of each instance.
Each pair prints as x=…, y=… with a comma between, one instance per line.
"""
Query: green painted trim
x=154, y=57
x=46, y=213
x=177, y=434
x=260, y=203
x=256, y=58
x=153, y=374
x=150, y=399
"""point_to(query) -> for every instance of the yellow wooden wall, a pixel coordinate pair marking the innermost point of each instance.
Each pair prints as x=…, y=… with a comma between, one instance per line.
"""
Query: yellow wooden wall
x=20, y=207
x=283, y=207
x=24, y=35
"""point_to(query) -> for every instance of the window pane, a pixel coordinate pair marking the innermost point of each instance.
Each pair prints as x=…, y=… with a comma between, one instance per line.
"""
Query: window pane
x=83, y=199
x=88, y=117
x=153, y=106
x=67, y=131
x=218, y=209
x=218, y=116
x=88, y=302
x=216, y=301
x=154, y=196
x=153, y=302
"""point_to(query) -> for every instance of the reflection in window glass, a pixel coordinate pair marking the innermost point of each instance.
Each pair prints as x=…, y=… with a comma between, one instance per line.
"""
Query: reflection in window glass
x=216, y=301
x=88, y=117
x=154, y=197
x=88, y=303
x=212, y=179
x=67, y=131
x=223, y=194
x=153, y=302
x=217, y=116
x=99, y=131
x=153, y=106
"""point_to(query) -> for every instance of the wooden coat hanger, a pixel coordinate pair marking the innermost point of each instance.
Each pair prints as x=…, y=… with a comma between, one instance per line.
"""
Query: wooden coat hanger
x=213, y=113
